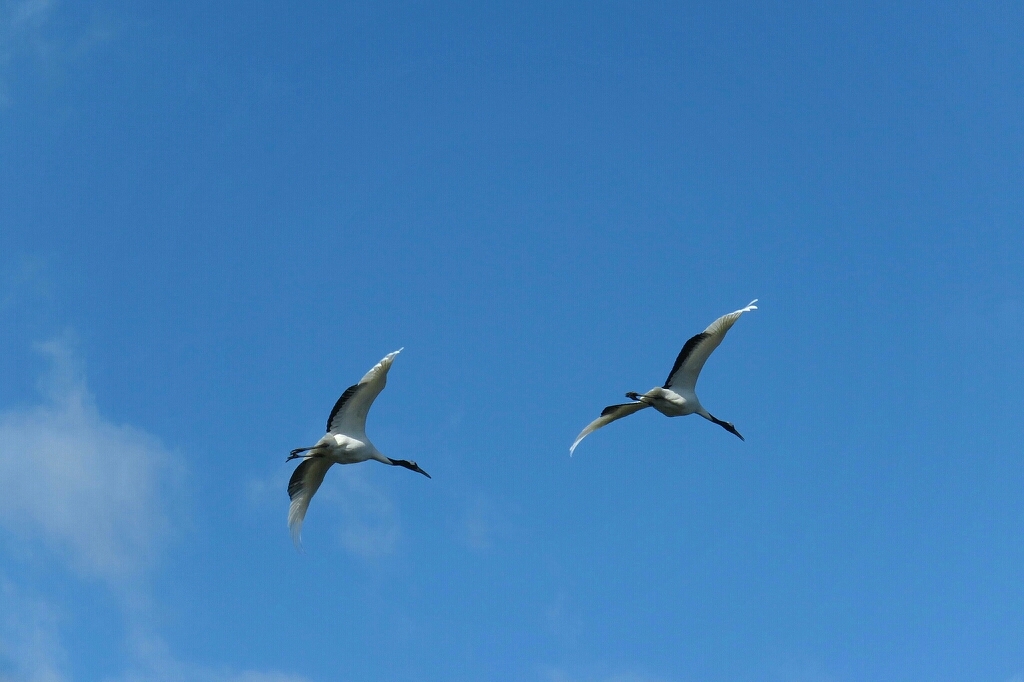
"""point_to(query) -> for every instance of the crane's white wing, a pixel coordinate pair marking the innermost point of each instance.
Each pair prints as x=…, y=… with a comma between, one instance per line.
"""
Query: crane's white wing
x=349, y=413
x=305, y=481
x=608, y=415
x=696, y=351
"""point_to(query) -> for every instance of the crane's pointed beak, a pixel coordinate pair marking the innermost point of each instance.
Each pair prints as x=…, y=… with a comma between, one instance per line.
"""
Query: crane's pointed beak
x=411, y=466
x=727, y=426
x=732, y=429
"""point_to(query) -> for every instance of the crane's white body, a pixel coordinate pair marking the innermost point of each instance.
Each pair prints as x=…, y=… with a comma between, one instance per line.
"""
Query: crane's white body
x=344, y=443
x=678, y=397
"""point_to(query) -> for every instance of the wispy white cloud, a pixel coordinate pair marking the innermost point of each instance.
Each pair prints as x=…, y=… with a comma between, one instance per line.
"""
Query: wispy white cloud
x=21, y=32
x=170, y=669
x=83, y=485
x=370, y=526
x=20, y=18
x=362, y=515
x=29, y=39
x=30, y=648
x=154, y=662
x=90, y=492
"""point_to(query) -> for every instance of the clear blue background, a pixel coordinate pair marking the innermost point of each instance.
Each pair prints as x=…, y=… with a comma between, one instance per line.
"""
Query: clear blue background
x=215, y=217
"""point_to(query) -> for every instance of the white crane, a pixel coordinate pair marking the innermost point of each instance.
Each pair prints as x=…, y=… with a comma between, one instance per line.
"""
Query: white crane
x=678, y=397
x=345, y=443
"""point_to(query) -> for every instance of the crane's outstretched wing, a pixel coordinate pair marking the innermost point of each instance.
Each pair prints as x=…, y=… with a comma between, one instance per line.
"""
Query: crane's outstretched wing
x=349, y=413
x=608, y=415
x=305, y=481
x=696, y=351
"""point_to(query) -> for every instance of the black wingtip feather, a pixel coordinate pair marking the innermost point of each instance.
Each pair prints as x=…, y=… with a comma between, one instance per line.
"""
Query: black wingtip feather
x=295, y=482
x=611, y=408
x=349, y=392
x=688, y=347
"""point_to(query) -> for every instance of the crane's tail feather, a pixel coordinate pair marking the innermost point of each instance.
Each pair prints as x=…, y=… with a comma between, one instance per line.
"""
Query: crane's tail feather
x=305, y=481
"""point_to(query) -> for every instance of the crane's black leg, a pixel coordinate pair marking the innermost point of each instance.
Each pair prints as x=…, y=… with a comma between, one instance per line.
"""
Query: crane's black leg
x=297, y=452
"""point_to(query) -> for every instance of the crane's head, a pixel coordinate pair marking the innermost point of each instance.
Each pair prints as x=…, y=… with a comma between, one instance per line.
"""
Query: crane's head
x=727, y=426
x=732, y=429
x=411, y=466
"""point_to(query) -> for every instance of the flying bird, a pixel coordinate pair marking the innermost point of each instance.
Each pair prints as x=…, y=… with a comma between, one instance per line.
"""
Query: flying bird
x=678, y=397
x=345, y=443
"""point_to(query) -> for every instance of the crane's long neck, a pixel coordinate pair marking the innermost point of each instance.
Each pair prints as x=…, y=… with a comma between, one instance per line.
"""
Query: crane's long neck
x=378, y=455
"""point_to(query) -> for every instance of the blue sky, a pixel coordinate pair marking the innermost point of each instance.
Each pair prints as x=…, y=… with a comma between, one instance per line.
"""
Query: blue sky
x=213, y=219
